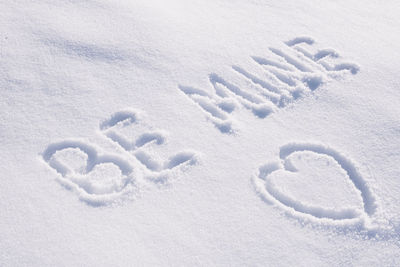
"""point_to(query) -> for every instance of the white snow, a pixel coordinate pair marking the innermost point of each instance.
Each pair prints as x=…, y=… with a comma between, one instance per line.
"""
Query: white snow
x=199, y=133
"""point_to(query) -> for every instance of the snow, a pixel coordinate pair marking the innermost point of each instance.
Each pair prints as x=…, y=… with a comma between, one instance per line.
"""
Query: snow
x=199, y=133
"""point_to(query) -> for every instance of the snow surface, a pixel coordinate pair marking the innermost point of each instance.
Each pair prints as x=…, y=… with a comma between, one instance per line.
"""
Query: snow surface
x=199, y=133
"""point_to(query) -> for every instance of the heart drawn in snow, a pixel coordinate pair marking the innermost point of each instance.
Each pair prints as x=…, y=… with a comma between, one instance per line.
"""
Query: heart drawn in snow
x=315, y=182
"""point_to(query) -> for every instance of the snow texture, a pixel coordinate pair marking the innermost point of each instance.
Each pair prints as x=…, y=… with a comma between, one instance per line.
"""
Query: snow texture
x=199, y=133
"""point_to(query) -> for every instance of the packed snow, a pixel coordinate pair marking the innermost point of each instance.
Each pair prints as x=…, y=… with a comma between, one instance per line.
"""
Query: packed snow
x=199, y=133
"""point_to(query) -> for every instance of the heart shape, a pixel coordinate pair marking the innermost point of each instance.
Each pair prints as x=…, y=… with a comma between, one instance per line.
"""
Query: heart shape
x=312, y=160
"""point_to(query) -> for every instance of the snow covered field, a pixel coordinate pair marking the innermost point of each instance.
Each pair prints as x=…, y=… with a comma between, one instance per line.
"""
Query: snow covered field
x=199, y=133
